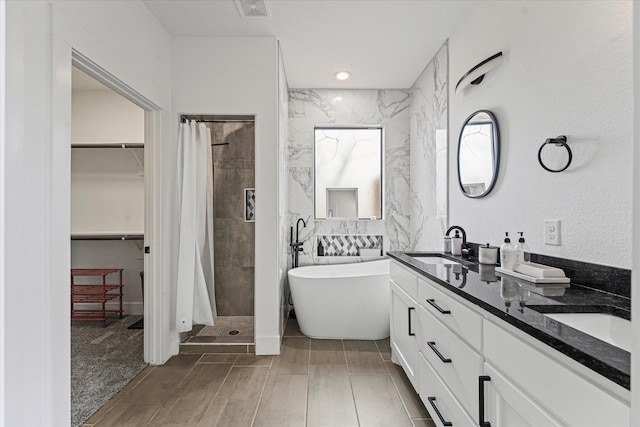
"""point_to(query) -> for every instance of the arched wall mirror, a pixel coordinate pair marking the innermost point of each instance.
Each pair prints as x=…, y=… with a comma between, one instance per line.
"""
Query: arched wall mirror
x=478, y=154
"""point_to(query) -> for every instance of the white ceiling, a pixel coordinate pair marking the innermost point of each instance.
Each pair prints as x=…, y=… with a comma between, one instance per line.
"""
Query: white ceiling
x=383, y=43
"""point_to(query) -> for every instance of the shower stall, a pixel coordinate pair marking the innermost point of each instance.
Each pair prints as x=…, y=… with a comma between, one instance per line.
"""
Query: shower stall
x=233, y=162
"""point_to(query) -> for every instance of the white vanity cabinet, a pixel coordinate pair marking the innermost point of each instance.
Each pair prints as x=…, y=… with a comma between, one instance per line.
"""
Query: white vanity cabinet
x=404, y=321
x=452, y=358
x=572, y=398
x=505, y=405
x=470, y=366
x=443, y=406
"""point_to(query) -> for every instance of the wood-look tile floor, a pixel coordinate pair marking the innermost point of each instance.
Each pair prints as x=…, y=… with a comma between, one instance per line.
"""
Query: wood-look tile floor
x=330, y=383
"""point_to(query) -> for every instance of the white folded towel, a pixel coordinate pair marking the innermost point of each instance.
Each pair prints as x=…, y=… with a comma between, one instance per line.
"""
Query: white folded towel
x=538, y=270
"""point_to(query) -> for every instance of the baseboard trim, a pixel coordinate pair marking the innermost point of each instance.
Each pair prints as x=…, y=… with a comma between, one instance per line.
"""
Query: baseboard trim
x=269, y=345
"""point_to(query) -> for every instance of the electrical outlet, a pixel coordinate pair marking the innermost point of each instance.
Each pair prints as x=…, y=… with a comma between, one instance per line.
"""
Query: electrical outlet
x=552, y=232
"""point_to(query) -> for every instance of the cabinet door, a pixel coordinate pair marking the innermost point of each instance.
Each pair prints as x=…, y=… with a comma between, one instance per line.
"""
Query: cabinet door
x=572, y=398
x=404, y=332
x=504, y=405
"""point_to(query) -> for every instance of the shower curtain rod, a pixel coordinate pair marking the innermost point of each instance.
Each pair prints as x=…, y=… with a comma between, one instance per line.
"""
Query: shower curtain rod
x=183, y=120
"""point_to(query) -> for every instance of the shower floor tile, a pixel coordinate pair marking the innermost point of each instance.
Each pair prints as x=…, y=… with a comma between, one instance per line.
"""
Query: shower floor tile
x=227, y=330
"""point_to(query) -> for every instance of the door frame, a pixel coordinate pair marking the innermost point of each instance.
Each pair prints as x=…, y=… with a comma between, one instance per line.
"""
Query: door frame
x=153, y=296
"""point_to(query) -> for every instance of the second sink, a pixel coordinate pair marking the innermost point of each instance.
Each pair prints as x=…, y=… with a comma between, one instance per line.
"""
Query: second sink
x=605, y=327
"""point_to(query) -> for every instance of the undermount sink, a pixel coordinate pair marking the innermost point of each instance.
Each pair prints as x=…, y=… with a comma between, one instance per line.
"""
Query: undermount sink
x=605, y=327
x=435, y=260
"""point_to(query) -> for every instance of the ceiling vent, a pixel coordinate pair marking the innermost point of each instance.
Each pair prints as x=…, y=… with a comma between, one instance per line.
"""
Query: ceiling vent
x=253, y=8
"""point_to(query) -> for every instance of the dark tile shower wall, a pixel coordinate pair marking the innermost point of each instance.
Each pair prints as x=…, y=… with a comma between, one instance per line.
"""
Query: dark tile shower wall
x=234, y=239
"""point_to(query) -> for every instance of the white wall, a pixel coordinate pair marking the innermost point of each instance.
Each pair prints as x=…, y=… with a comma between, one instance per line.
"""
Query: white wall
x=240, y=76
x=4, y=134
x=635, y=277
x=125, y=39
x=567, y=71
x=107, y=184
x=107, y=191
x=105, y=116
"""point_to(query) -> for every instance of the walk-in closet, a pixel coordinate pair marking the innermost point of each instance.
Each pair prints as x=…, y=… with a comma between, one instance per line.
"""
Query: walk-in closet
x=107, y=244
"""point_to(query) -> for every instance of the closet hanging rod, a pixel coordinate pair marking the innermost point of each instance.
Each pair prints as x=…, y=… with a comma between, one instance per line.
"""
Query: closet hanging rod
x=109, y=145
x=107, y=237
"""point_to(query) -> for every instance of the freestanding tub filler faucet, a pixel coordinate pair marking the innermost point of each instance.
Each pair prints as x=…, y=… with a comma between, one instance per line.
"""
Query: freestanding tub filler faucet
x=296, y=247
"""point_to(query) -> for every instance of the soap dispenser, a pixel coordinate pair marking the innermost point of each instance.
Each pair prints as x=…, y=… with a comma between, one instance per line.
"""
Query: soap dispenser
x=507, y=254
x=456, y=244
x=522, y=249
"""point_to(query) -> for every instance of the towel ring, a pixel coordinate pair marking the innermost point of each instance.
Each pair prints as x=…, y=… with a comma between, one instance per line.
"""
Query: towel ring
x=560, y=141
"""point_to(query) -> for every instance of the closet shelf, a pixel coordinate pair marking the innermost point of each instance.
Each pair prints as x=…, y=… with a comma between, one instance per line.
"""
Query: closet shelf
x=107, y=236
x=107, y=145
x=132, y=146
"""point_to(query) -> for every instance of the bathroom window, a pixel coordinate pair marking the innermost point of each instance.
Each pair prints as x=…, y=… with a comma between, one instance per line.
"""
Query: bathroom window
x=348, y=172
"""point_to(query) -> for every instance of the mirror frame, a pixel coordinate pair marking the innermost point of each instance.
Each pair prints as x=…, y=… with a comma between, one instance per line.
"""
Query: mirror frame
x=496, y=153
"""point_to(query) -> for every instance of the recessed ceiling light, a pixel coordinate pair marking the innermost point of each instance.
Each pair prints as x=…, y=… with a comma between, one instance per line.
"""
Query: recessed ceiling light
x=342, y=75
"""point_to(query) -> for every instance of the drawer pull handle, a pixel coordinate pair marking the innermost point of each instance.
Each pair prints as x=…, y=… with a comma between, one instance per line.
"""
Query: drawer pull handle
x=432, y=346
x=432, y=302
x=411, y=334
x=432, y=402
x=481, y=380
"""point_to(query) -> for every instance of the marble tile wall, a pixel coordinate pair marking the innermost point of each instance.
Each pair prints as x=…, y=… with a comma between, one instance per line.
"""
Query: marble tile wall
x=234, y=239
x=429, y=171
x=310, y=107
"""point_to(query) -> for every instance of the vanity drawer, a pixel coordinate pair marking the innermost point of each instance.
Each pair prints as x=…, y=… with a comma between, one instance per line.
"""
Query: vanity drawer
x=404, y=278
x=438, y=400
x=573, y=399
x=462, y=320
x=456, y=363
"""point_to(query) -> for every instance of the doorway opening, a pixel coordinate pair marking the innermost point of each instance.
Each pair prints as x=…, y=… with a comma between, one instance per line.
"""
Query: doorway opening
x=131, y=236
x=107, y=243
x=233, y=162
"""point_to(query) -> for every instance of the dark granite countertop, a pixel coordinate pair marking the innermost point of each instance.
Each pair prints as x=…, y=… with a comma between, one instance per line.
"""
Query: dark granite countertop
x=513, y=301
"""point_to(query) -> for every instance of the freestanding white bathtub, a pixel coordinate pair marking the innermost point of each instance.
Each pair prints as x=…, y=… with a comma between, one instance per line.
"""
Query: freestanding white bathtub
x=348, y=301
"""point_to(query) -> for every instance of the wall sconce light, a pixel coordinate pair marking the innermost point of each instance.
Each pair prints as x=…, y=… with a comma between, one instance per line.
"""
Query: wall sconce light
x=476, y=74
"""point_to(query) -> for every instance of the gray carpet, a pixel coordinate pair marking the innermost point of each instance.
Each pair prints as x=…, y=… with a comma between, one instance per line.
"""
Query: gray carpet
x=103, y=361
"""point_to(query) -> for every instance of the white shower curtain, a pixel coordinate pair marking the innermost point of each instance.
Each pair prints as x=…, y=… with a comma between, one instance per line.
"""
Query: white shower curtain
x=195, y=302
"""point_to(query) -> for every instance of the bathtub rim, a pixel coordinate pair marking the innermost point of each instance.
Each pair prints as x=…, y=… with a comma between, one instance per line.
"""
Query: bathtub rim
x=295, y=272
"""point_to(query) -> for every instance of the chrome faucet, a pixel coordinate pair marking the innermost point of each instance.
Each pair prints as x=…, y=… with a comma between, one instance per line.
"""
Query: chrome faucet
x=296, y=247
